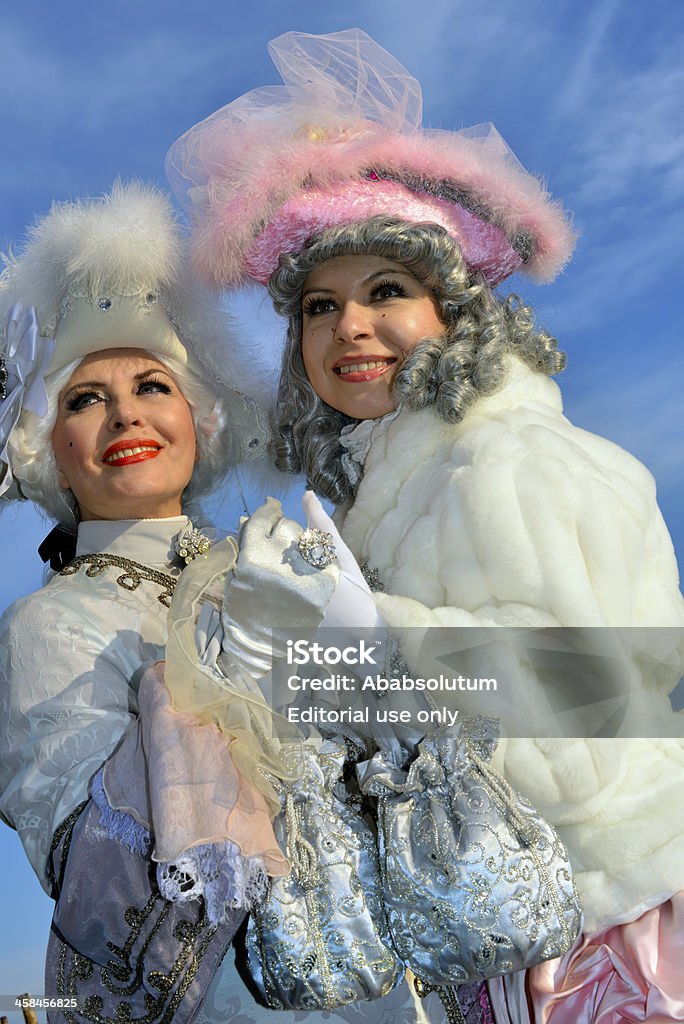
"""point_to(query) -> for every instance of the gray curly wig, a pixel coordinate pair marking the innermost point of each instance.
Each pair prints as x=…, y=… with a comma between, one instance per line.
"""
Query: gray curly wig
x=449, y=372
x=35, y=467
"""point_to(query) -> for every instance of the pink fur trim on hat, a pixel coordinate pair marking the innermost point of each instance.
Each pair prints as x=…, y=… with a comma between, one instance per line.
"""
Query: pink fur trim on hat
x=484, y=246
x=265, y=171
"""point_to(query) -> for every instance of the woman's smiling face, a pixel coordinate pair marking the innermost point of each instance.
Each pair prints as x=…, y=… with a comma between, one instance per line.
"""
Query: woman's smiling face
x=124, y=439
x=361, y=316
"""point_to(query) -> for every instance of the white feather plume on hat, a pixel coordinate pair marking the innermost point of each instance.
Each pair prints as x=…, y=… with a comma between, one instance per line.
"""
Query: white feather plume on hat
x=115, y=243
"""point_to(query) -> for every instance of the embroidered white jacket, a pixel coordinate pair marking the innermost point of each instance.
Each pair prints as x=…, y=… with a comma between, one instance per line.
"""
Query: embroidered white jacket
x=71, y=658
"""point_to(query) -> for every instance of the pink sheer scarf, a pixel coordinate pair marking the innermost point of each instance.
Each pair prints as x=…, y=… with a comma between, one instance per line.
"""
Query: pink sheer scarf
x=179, y=781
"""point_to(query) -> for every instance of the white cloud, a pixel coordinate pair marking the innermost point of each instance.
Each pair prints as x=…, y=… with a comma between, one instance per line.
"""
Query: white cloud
x=615, y=270
x=134, y=74
x=582, y=74
x=624, y=116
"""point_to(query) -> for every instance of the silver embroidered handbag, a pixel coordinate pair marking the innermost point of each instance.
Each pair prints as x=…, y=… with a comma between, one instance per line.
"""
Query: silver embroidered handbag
x=476, y=882
x=320, y=938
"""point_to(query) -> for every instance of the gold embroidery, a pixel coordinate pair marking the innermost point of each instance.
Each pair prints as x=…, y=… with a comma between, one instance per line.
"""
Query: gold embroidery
x=130, y=579
x=66, y=828
x=133, y=990
x=447, y=995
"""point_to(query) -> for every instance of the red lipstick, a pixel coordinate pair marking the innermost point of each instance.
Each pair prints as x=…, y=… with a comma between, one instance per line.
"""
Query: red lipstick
x=134, y=449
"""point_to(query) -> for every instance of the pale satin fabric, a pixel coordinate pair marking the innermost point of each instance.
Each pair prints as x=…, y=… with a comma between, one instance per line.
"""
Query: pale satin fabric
x=148, y=541
x=632, y=972
x=508, y=999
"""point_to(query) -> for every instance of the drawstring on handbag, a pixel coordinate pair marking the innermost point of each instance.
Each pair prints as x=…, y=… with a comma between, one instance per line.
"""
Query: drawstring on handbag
x=527, y=831
x=300, y=853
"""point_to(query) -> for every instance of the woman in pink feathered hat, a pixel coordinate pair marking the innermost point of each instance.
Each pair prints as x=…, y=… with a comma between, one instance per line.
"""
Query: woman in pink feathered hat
x=421, y=404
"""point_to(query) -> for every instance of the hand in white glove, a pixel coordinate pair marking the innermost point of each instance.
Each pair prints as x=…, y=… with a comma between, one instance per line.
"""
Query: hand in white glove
x=352, y=604
x=272, y=593
x=351, y=611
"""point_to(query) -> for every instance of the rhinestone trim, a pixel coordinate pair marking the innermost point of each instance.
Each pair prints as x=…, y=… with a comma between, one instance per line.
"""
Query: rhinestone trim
x=317, y=548
x=134, y=574
x=191, y=544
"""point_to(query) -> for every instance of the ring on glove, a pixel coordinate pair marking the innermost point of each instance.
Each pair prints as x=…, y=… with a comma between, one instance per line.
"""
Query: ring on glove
x=317, y=548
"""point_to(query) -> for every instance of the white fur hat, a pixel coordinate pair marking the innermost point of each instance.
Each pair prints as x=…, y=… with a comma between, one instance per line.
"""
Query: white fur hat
x=111, y=272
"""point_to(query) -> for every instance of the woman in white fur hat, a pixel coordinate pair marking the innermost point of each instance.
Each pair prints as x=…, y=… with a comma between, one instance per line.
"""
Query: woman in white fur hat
x=421, y=404
x=113, y=422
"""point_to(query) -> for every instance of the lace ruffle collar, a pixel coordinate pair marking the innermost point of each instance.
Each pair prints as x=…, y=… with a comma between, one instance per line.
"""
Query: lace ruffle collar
x=356, y=439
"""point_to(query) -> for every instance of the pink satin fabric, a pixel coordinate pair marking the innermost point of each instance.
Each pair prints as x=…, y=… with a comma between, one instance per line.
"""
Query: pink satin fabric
x=631, y=972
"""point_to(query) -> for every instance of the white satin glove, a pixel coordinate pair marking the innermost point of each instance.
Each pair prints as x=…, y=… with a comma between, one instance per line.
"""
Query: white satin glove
x=352, y=604
x=209, y=635
x=272, y=593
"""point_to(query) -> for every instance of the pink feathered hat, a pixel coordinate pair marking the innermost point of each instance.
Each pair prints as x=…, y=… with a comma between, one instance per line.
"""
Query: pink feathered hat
x=341, y=141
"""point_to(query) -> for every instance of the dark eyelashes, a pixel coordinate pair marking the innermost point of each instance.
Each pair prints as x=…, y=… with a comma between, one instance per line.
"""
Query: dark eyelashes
x=388, y=284
x=159, y=383
x=314, y=305
x=79, y=400
x=76, y=401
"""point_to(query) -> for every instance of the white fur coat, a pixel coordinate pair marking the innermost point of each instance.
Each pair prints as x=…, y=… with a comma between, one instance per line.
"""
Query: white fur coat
x=516, y=517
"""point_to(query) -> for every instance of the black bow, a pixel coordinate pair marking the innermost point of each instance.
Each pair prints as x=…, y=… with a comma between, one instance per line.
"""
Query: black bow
x=58, y=548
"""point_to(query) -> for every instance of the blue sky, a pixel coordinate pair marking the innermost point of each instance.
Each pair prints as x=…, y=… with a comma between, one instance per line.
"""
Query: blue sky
x=588, y=94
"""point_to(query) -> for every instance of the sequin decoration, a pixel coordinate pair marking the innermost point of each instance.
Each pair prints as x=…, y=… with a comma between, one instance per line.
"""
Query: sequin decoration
x=191, y=544
x=476, y=883
x=372, y=576
x=320, y=939
x=317, y=548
